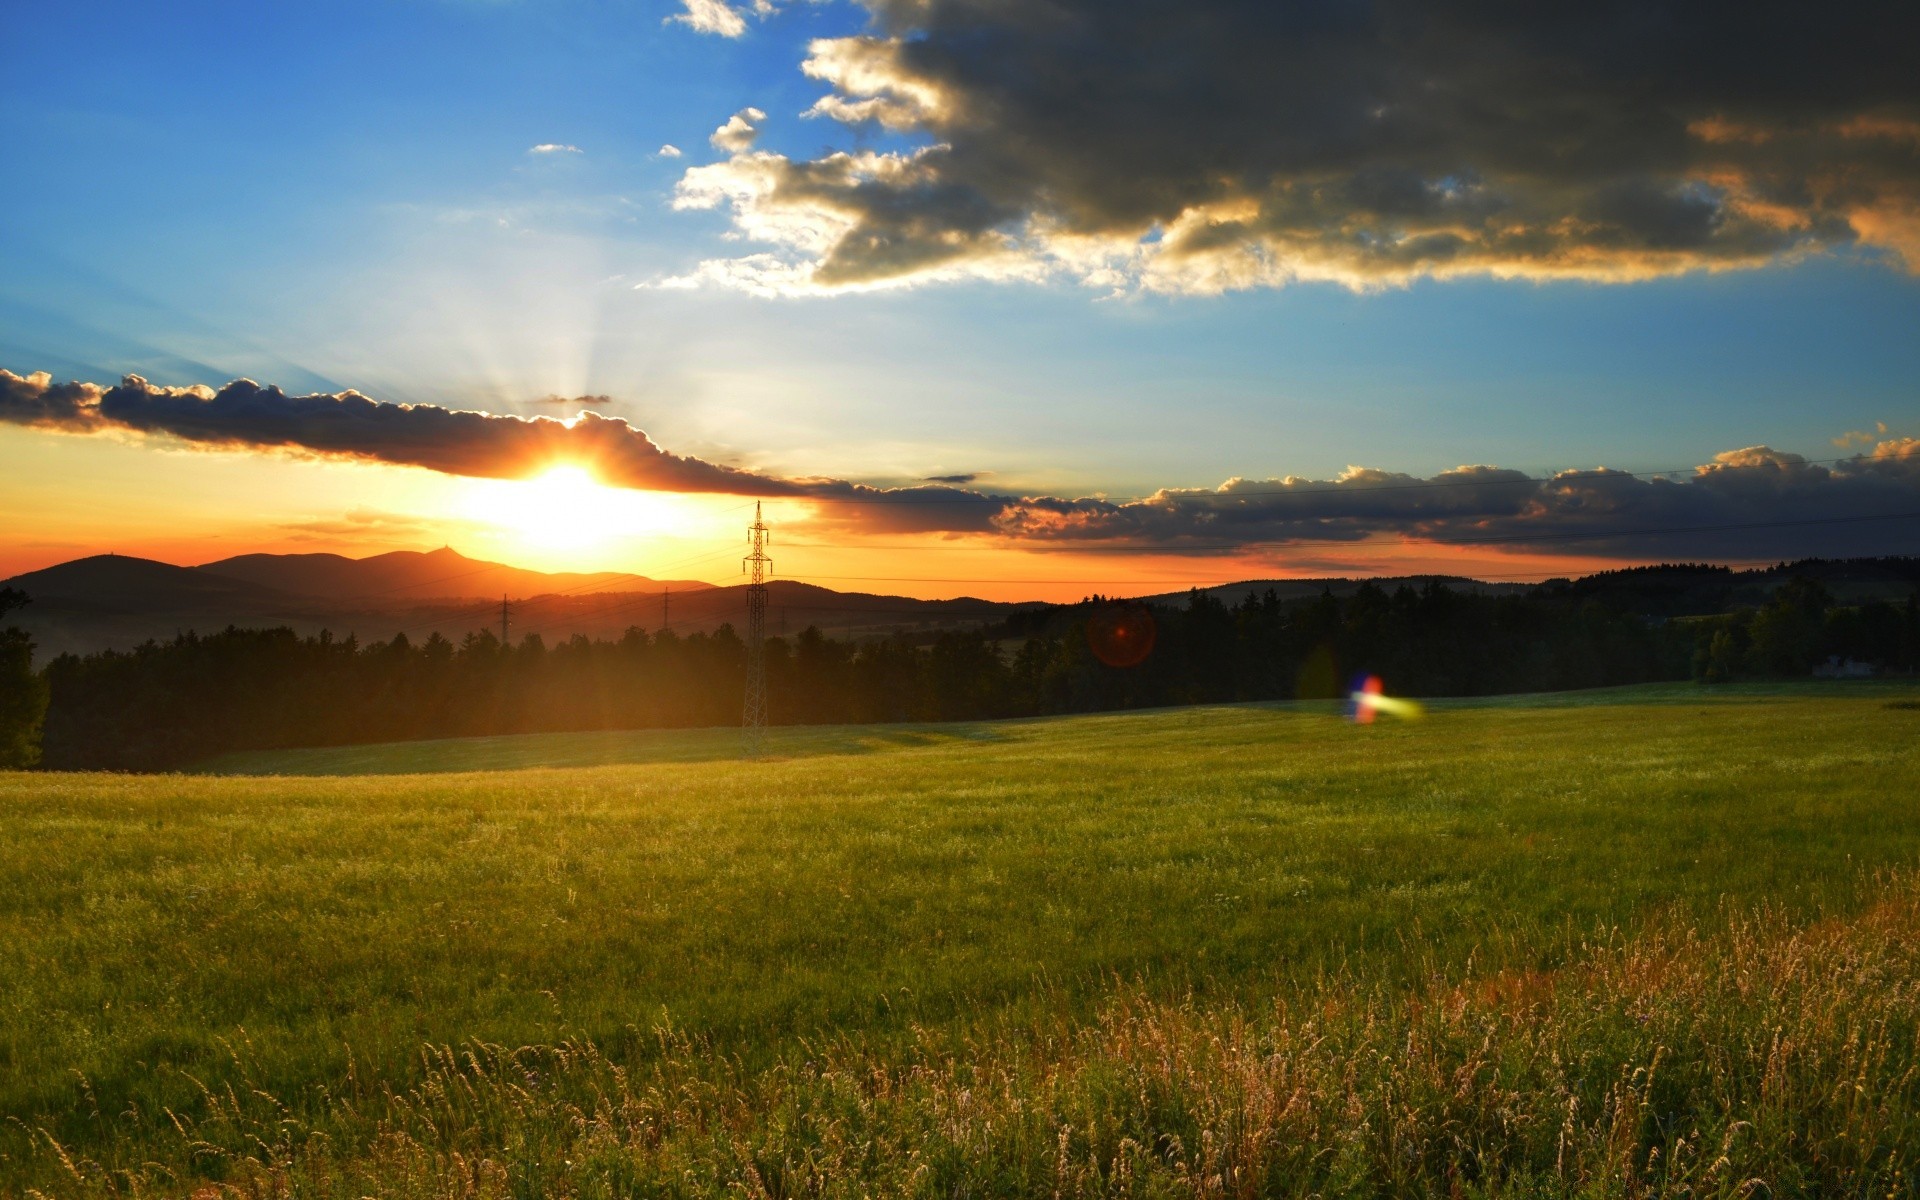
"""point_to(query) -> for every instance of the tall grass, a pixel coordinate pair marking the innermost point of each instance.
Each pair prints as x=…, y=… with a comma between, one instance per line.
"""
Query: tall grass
x=1259, y=944
x=1757, y=1059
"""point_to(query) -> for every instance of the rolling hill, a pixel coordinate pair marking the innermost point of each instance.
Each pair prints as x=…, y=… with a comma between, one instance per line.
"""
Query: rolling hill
x=118, y=583
x=118, y=602
x=434, y=575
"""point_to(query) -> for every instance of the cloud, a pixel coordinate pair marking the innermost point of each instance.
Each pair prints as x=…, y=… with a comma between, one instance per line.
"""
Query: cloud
x=711, y=16
x=1860, y=437
x=246, y=415
x=359, y=522
x=554, y=148
x=857, y=221
x=37, y=401
x=1750, y=502
x=569, y=401
x=967, y=477
x=669, y=150
x=1241, y=144
x=719, y=17
x=737, y=135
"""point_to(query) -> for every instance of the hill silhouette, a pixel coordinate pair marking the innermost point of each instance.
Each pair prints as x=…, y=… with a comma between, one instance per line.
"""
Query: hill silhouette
x=119, y=583
x=112, y=601
x=435, y=574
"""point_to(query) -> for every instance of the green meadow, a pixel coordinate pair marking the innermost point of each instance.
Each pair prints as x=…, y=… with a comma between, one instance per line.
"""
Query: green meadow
x=1650, y=941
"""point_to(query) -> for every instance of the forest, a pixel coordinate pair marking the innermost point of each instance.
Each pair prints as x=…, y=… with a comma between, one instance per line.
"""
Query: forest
x=169, y=705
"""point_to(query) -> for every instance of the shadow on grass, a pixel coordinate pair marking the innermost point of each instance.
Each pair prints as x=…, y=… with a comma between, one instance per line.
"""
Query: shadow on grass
x=601, y=748
x=512, y=752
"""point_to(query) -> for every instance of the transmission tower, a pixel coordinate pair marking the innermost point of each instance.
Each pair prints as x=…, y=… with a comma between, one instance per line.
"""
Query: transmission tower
x=504, y=613
x=753, y=721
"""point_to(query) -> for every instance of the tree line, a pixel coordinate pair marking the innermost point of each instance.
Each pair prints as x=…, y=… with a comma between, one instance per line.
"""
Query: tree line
x=23, y=693
x=171, y=704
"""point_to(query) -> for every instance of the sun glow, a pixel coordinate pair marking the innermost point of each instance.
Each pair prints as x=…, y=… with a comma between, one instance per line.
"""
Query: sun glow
x=565, y=512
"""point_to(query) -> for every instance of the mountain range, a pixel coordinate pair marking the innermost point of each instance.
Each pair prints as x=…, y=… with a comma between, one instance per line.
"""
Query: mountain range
x=112, y=601
x=436, y=574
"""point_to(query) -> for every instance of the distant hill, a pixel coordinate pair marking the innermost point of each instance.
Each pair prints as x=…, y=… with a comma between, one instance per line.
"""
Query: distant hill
x=410, y=574
x=115, y=602
x=1662, y=590
x=117, y=583
x=112, y=601
x=1306, y=589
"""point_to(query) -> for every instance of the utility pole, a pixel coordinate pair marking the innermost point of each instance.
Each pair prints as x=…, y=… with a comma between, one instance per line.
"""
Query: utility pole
x=666, y=597
x=753, y=721
x=504, y=617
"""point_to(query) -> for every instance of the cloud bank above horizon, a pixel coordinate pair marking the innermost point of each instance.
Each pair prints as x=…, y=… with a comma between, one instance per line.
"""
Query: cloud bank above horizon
x=1248, y=144
x=1751, y=502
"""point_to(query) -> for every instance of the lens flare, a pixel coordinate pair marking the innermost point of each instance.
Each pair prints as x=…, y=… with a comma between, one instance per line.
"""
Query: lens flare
x=1121, y=636
x=1370, y=700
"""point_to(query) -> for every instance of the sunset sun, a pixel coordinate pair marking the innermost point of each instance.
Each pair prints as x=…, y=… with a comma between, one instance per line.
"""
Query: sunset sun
x=566, y=510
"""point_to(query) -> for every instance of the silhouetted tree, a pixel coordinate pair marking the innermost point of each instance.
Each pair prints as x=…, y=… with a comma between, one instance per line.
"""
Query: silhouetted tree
x=23, y=694
x=1787, y=633
x=167, y=705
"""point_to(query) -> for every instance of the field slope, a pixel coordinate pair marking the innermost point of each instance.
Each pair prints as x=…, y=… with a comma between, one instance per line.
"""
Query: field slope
x=1248, y=950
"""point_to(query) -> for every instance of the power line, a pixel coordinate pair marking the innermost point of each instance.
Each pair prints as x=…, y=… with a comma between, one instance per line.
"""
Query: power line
x=753, y=719
x=601, y=579
x=1575, y=535
x=1217, y=582
x=576, y=590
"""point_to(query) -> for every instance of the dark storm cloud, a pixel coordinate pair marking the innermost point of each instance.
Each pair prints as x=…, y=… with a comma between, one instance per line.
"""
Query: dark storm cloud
x=1235, y=143
x=1746, y=503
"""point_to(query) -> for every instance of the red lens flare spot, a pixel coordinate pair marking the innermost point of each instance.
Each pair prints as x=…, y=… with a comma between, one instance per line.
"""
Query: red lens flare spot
x=1121, y=636
x=1364, y=710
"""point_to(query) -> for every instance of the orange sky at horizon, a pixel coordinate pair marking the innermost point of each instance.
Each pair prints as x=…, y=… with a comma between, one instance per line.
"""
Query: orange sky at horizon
x=189, y=506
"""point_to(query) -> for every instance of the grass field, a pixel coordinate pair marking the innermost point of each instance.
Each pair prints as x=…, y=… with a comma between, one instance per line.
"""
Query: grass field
x=1659, y=940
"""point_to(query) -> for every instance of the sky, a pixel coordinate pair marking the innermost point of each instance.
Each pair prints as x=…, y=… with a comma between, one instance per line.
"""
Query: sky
x=976, y=297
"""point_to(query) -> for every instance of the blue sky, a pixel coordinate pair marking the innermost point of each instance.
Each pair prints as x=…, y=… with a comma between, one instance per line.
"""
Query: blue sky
x=263, y=189
x=344, y=195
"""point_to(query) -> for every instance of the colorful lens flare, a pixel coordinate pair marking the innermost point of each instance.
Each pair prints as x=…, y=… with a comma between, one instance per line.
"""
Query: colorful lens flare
x=1370, y=699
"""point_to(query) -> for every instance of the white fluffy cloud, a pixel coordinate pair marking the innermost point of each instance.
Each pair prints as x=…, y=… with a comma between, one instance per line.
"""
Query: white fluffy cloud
x=554, y=148
x=711, y=16
x=719, y=17
x=737, y=135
